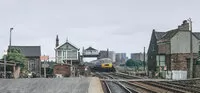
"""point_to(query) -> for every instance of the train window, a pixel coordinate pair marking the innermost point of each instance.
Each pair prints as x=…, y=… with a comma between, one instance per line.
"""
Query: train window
x=106, y=65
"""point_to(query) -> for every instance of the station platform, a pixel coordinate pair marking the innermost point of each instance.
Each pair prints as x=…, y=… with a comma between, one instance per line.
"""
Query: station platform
x=95, y=86
x=52, y=85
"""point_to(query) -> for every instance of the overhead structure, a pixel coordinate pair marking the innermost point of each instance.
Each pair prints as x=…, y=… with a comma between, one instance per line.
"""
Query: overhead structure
x=89, y=52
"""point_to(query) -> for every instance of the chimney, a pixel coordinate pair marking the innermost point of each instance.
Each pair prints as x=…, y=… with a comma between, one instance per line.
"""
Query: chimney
x=57, y=41
x=184, y=26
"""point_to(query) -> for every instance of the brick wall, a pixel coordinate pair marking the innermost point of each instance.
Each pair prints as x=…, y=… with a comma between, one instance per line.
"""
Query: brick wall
x=62, y=69
x=164, y=48
x=179, y=61
x=197, y=71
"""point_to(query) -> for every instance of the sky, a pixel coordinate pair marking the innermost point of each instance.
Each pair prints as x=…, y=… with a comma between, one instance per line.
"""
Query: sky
x=120, y=25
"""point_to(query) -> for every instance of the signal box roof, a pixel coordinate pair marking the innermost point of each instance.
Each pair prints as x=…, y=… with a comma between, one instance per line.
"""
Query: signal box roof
x=90, y=48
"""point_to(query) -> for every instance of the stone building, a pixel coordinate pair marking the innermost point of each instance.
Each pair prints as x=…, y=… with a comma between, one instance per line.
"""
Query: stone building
x=169, y=52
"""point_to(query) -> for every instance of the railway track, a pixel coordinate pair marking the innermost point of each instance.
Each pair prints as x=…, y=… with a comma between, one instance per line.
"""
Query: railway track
x=112, y=86
x=168, y=86
x=121, y=87
x=152, y=86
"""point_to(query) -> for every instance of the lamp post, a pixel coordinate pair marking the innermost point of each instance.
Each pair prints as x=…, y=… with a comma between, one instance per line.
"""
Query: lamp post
x=5, y=62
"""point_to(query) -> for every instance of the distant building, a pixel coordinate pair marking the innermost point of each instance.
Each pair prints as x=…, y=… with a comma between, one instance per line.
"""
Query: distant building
x=107, y=54
x=66, y=53
x=138, y=56
x=112, y=56
x=120, y=57
x=32, y=53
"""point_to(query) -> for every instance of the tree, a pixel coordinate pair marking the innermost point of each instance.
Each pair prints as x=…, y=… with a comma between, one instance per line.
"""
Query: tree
x=130, y=63
x=15, y=55
x=134, y=63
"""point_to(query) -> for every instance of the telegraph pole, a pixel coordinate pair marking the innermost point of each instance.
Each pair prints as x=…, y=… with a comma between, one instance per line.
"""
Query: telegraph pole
x=191, y=49
x=144, y=59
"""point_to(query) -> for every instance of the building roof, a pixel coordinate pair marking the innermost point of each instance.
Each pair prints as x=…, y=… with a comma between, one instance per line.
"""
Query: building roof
x=197, y=35
x=159, y=35
x=90, y=48
x=29, y=51
x=67, y=42
x=169, y=34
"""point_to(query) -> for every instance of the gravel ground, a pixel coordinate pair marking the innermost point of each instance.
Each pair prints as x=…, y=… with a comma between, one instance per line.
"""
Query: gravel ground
x=45, y=85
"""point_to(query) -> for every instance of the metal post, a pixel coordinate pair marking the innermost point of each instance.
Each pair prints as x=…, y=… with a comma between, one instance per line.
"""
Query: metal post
x=71, y=68
x=5, y=62
x=191, y=49
x=10, y=36
x=144, y=59
x=44, y=67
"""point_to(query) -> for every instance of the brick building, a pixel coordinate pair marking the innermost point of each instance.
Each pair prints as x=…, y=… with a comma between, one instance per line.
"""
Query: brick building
x=169, y=52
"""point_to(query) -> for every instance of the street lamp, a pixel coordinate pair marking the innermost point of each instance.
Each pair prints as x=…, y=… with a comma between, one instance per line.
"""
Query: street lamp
x=5, y=62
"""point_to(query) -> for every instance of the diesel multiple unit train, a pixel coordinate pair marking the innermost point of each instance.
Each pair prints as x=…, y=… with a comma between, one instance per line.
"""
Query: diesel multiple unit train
x=103, y=65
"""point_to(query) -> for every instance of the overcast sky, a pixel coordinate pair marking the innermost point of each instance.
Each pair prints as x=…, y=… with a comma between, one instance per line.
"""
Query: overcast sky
x=120, y=25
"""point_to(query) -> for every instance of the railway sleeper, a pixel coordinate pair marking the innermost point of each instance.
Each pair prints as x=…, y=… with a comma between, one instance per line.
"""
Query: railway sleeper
x=140, y=87
x=184, y=85
x=166, y=87
x=179, y=87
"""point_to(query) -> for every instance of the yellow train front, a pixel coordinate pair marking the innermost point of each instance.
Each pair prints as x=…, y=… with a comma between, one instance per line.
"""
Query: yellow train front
x=107, y=67
x=104, y=65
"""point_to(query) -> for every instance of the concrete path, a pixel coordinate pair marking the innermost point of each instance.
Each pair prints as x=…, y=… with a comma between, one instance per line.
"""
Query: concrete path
x=95, y=86
x=49, y=85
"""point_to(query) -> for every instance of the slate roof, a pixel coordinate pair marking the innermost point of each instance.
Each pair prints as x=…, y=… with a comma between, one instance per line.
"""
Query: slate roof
x=170, y=34
x=197, y=35
x=159, y=35
x=29, y=51
x=90, y=48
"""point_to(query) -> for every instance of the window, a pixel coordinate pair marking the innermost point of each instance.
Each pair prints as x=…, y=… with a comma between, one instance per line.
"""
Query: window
x=153, y=48
x=72, y=54
x=157, y=60
x=59, y=53
x=160, y=60
x=64, y=54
